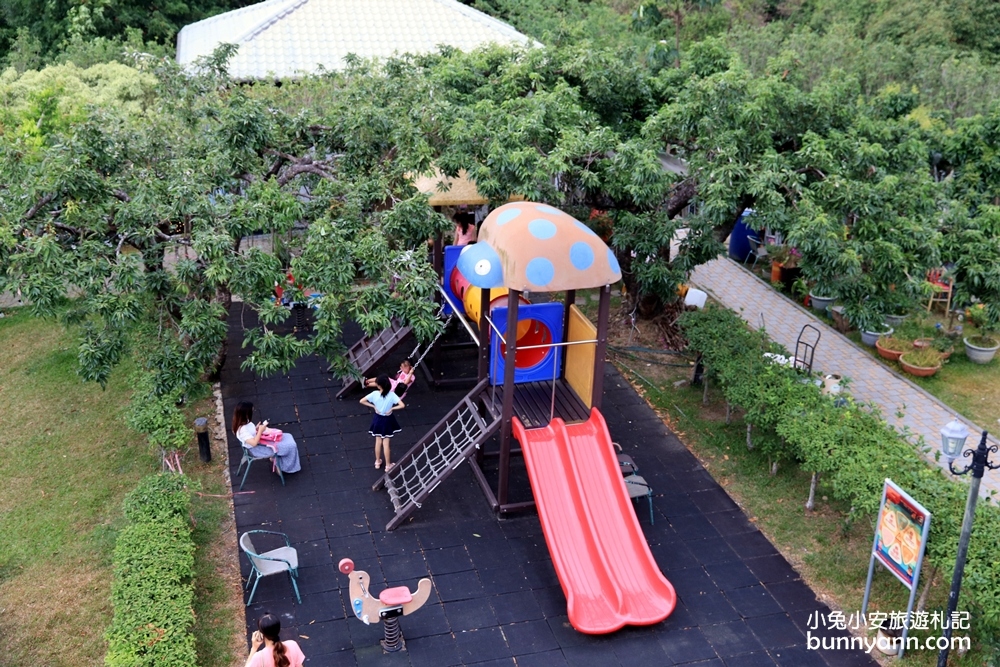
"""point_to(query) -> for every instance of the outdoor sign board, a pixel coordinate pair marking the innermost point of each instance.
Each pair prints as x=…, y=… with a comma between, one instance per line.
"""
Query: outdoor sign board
x=900, y=539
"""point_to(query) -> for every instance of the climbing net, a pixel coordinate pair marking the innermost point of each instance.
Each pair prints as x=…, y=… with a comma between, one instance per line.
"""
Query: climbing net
x=447, y=448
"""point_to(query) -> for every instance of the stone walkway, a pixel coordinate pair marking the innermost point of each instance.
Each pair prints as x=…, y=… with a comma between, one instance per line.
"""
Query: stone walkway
x=871, y=381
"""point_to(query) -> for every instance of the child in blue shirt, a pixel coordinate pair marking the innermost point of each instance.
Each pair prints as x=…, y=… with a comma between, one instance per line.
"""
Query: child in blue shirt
x=384, y=424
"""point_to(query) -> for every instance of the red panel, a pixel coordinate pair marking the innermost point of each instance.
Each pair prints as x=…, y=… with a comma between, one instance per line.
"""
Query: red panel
x=600, y=554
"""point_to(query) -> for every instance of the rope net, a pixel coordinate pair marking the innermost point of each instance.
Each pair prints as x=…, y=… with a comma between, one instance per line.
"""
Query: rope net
x=447, y=449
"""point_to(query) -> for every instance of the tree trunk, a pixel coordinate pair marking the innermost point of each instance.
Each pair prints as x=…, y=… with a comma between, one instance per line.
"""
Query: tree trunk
x=774, y=468
x=225, y=297
x=749, y=441
x=811, y=503
x=729, y=412
x=922, y=602
x=704, y=384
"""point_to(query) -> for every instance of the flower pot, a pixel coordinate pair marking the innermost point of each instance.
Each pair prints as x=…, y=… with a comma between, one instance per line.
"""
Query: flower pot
x=980, y=355
x=869, y=338
x=894, y=320
x=891, y=355
x=922, y=343
x=821, y=303
x=887, y=641
x=919, y=371
x=775, y=272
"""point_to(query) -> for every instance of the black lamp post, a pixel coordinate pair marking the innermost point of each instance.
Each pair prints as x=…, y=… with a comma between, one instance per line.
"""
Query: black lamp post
x=952, y=440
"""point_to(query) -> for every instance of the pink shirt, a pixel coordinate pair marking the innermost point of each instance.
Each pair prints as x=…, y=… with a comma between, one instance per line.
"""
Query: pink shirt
x=265, y=656
x=468, y=237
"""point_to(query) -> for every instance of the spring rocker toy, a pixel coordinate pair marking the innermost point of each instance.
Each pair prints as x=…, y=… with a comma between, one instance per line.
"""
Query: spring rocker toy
x=389, y=605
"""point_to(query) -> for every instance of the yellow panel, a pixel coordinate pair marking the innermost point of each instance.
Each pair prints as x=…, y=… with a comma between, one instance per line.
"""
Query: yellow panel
x=580, y=358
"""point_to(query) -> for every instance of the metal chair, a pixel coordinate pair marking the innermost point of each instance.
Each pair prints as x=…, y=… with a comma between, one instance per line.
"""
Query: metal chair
x=249, y=458
x=625, y=462
x=275, y=561
x=805, y=348
x=757, y=251
x=638, y=488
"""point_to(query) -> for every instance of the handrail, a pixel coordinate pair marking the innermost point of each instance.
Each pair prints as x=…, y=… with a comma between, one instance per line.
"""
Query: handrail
x=459, y=312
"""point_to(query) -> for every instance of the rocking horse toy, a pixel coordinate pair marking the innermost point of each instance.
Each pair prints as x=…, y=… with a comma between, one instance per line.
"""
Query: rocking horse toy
x=389, y=605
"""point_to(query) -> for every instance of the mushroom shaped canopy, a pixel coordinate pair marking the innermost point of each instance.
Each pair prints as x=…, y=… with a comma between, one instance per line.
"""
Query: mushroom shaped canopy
x=534, y=247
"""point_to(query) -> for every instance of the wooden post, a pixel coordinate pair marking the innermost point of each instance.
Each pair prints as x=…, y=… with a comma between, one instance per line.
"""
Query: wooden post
x=603, y=313
x=570, y=300
x=438, y=256
x=484, y=334
x=513, y=298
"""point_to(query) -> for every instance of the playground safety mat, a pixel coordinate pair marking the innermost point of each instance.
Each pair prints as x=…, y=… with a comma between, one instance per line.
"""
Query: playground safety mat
x=435, y=456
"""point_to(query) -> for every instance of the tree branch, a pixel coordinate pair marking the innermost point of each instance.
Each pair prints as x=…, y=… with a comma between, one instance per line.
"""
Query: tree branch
x=39, y=205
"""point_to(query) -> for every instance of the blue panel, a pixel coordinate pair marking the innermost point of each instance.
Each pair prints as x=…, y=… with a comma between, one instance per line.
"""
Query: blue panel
x=548, y=314
x=451, y=254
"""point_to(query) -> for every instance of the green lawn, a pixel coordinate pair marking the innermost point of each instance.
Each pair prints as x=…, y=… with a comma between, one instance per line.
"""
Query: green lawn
x=70, y=461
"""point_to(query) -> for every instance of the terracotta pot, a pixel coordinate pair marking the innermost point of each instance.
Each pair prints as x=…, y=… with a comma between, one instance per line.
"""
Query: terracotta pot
x=891, y=355
x=775, y=272
x=922, y=343
x=919, y=371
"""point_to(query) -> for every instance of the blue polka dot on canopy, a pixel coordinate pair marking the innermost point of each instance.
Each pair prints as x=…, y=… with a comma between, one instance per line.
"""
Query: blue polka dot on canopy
x=613, y=261
x=541, y=228
x=540, y=271
x=581, y=256
x=543, y=208
x=508, y=215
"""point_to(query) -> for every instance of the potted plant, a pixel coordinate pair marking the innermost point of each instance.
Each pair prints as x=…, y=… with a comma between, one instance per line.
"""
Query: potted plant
x=784, y=264
x=921, y=363
x=868, y=321
x=943, y=346
x=892, y=348
x=981, y=348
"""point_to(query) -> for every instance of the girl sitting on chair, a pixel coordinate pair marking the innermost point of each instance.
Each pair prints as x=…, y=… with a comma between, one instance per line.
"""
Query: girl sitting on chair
x=284, y=451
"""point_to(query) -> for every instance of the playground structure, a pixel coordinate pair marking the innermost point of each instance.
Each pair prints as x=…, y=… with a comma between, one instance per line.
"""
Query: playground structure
x=541, y=386
x=390, y=604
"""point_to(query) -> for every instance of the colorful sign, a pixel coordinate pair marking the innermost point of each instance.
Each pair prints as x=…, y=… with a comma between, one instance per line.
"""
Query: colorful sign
x=901, y=533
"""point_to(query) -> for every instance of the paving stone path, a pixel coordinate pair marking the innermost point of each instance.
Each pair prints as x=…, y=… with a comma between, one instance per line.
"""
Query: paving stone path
x=871, y=381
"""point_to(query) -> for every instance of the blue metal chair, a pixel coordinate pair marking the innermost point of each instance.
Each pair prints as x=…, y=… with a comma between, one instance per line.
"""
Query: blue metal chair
x=282, y=559
x=249, y=458
x=757, y=251
x=638, y=488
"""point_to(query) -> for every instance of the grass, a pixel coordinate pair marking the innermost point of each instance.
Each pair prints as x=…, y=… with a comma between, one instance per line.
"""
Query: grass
x=830, y=553
x=70, y=461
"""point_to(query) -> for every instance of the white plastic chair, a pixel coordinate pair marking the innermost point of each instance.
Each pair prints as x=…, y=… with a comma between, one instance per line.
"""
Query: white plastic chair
x=275, y=561
x=639, y=488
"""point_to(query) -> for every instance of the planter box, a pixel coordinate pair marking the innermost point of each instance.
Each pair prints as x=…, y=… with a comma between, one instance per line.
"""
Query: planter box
x=839, y=321
x=980, y=355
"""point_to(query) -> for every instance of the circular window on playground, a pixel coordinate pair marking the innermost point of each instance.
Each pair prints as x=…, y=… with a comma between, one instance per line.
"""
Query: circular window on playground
x=536, y=333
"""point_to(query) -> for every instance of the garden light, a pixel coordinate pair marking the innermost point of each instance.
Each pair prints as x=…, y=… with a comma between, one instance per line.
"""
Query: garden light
x=953, y=439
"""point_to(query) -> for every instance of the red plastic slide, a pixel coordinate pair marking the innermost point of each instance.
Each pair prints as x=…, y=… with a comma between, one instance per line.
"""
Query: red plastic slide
x=602, y=558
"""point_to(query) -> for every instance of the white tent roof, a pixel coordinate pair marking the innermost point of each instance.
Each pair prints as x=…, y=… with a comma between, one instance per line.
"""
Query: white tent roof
x=288, y=38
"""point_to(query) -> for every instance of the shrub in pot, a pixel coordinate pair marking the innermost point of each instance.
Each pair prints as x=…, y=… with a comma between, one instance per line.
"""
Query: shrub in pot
x=980, y=349
x=921, y=363
x=891, y=348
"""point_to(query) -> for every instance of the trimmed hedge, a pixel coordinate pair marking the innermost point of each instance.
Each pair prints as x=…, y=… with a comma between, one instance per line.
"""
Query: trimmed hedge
x=853, y=448
x=153, y=587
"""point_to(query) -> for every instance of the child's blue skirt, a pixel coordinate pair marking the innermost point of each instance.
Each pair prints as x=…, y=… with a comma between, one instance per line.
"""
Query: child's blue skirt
x=384, y=426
